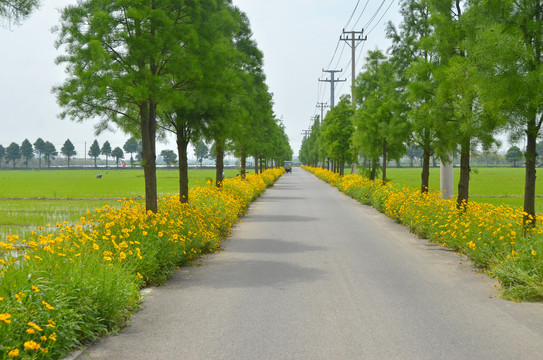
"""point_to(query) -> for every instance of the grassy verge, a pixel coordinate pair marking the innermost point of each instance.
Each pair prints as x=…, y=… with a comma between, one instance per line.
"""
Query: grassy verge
x=493, y=237
x=59, y=290
x=33, y=198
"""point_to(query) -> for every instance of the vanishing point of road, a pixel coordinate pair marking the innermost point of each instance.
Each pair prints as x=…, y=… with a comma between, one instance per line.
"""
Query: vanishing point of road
x=311, y=274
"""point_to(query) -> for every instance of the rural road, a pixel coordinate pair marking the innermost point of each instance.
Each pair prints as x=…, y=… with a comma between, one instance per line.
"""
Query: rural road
x=311, y=274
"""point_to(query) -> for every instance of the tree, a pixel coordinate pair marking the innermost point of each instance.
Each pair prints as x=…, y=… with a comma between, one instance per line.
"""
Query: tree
x=94, y=151
x=106, y=150
x=49, y=152
x=509, y=48
x=381, y=129
x=201, y=151
x=38, y=148
x=122, y=58
x=118, y=154
x=17, y=10
x=131, y=146
x=68, y=150
x=13, y=153
x=337, y=131
x=169, y=157
x=2, y=154
x=415, y=57
x=513, y=155
x=27, y=152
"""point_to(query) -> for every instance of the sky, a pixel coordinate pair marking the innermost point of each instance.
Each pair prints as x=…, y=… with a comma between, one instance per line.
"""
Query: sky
x=299, y=38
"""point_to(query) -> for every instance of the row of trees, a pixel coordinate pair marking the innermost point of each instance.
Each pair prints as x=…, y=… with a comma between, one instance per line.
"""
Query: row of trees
x=47, y=151
x=185, y=67
x=459, y=73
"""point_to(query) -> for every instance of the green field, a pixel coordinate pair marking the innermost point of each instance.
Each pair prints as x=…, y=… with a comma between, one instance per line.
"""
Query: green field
x=33, y=198
x=490, y=185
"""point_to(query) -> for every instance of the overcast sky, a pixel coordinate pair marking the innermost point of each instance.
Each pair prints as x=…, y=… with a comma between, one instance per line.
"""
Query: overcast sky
x=299, y=39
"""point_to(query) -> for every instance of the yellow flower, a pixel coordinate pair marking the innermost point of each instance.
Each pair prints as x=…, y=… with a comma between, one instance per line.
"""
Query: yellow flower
x=32, y=345
x=35, y=288
x=534, y=253
x=35, y=326
x=48, y=306
x=13, y=353
x=95, y=246
x=53, y=337
x=144, y=233
x=30, y=331
x=5, y=318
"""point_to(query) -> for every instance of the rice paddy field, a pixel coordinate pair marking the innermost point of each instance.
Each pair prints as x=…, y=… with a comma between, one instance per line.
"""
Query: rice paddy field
x=30, y=199
x=487, y=185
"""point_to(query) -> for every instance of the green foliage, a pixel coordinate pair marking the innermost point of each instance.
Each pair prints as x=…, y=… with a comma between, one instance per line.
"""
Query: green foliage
x=27, y=152
x=94, y=151
x=17, y=10
x=118, y=154
x=49, y=152
x=169, y=157
x=68, y=150
x=13, y=153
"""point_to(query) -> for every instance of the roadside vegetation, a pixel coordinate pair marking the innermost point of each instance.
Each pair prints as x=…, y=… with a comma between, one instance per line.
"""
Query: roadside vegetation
x=64, y=288
x=493, y=237
x=30, y=199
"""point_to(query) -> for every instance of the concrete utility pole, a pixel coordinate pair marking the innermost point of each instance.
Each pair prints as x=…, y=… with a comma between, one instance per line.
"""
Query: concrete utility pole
x=332, y=82
x=352, y=38
x=306, y=133
x=446, y=179
x=322, y=106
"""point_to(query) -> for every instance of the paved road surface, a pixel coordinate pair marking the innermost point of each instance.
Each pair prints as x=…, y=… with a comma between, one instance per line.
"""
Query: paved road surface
x=312, y=274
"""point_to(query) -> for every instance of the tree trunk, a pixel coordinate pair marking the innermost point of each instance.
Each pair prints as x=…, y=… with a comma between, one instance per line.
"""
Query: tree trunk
x=385, y=150
x=256, y=162
x=219, y=163
x=373, y=169
x=530, y=178
x=182, y=144
x=463, y=183
x=425, y=176
x=148, y=132
x=243, y=162
x=341, y=165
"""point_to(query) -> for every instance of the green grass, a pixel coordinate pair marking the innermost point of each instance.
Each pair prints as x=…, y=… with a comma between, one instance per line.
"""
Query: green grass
x=29, y=199
x=490, y=185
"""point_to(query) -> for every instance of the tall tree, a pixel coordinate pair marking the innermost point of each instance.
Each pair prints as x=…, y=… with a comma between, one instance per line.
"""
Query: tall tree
x=94, y=151
x=17, y=10
x=106, y=150
x=68, y=150
x=200, y=151
x=27, y=152
x=169, y=157
x=38, y=148
x=122, y=58
x=513, y=155
x=510, y=53
x=13, y=153
x=49, y=152
x=118, y=154
x=337, y=132
x=381, y=126
x=131, y=146
x=2, y=154
x=415, y=58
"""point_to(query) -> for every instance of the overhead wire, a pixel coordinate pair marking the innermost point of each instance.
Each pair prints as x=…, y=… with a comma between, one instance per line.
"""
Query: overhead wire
x=381, y=18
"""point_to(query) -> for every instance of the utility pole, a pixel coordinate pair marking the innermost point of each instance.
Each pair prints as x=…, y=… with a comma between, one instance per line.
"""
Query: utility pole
x=332, y=82
x=322, y=106
x=352, y=38
x=306, y=133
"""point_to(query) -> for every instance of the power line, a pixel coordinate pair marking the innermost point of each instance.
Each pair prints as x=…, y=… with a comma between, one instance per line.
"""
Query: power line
x=382, y=16
x=362, y=13
x=356, y=7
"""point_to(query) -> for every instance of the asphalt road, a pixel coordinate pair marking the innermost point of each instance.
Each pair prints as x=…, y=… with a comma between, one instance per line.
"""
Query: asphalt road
x=311, y=274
